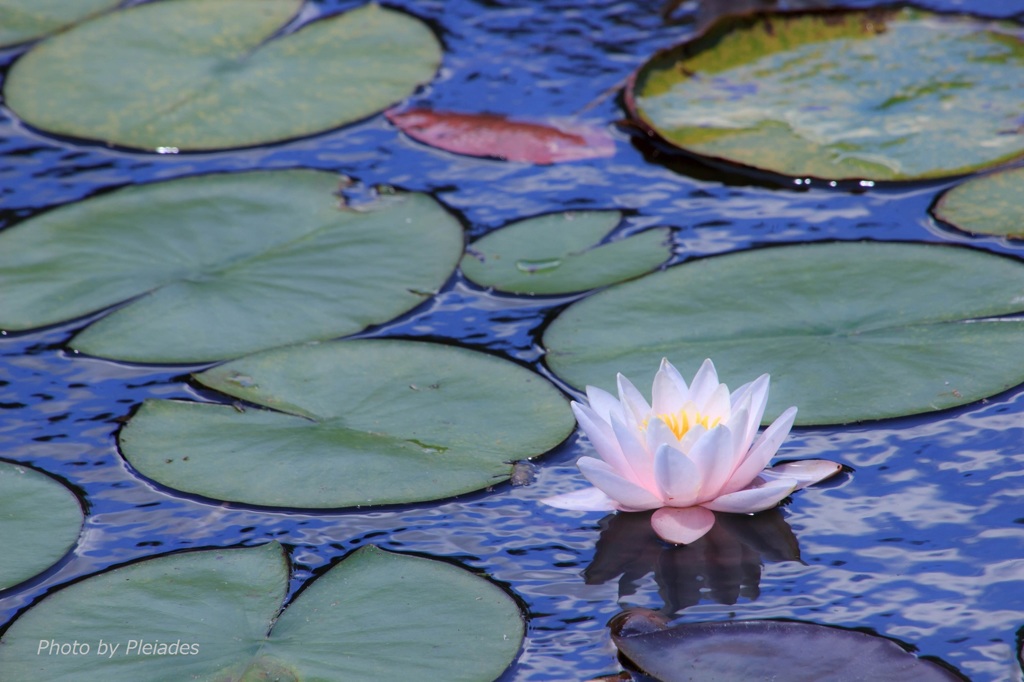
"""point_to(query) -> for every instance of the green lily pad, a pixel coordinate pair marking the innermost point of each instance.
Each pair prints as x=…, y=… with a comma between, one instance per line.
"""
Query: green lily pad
x=217, y=615
x=218, y=266
x=40, y=521
x=849, y=331
x=800, y=94
x=986, y=205
x=561, y=253
x=211, y=74
x=24, y=20
x=350, y=423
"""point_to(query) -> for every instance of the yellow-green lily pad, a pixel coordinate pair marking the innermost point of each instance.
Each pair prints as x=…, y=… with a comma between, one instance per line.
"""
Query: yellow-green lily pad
x=879, y=94
x=849, y=331
x=194, y=75
x=990, y=204
x=219, y=615
x=217, y=266
x=563, y=253
x=350, y=423
x=40, y=521
x=24, y=20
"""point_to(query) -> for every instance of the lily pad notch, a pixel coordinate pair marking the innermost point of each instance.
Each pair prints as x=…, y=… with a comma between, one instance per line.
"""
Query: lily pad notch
x=223, y=76
x=350, y=424
x=216, y=266
x=376, y=615
x=563, y=253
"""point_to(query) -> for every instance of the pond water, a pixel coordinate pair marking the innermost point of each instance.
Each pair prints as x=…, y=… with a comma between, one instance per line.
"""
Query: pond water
x=923, y=542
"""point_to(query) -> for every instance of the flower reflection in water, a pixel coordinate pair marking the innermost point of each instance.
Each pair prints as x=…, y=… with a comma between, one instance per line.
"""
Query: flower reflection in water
x=723, y=566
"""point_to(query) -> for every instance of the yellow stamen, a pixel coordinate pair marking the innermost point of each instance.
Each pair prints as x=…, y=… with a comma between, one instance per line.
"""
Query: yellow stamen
x=682, y=421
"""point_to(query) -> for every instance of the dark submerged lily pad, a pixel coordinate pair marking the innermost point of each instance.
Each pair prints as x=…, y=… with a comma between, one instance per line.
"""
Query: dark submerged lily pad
x=849, y=331
x=24, y=20
x=40, y=521
x=376, y=616
x=350, y=423
x=218, y=266
x=197, y=75
x=765, y=649
x=989, y=204
x=800, y=94
x=562, y=253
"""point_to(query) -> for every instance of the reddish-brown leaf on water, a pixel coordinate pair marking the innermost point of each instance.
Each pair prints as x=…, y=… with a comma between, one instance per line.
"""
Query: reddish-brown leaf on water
x=495, y=136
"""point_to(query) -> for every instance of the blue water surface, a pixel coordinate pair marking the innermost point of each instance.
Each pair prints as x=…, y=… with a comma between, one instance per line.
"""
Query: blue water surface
x=923, y=542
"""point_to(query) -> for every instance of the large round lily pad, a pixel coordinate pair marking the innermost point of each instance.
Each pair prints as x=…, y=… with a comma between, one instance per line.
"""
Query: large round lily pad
x=989, y=204
x=24, y=20
x=849, y=331
x=212, y=74
x=222, y=265
x=216, y=615
x=801, y=94
x=737, y=651
x=350, y=423
x=562, y=253
x=40, y=520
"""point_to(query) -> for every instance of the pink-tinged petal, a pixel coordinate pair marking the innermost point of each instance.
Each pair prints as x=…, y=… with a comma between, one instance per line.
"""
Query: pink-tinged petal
x=805, y=472
x=495, y=136
x=669, y=391
x=627, y=495
x=632, y=400
x=705, y=381
x=759, y=496
x=682, y=525
x=762, y=452
x=713, y=456
x=636, y=453
x=678, y=478
x=602, y=437
x=588, y=499
x=604, y=404
x=718, y=406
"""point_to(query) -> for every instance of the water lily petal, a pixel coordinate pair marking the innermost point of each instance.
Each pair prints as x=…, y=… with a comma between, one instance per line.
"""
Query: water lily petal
x=739, y=424
x=658, y=433
x=635, y=452
x=805, y=471
x=669, y=391
x=602, y=437
x=714, y=458
x=753, y=397
x=762, y=452
x=718, y=407
x=633, y=401
x=588, y=499
x=705, y=381
x=682, y=525
x=604, y=404
x=759, y=496
x=627, y=495
x=678, y=478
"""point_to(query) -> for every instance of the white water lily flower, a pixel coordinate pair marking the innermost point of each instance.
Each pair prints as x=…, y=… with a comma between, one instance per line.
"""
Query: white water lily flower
x=693, y=451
